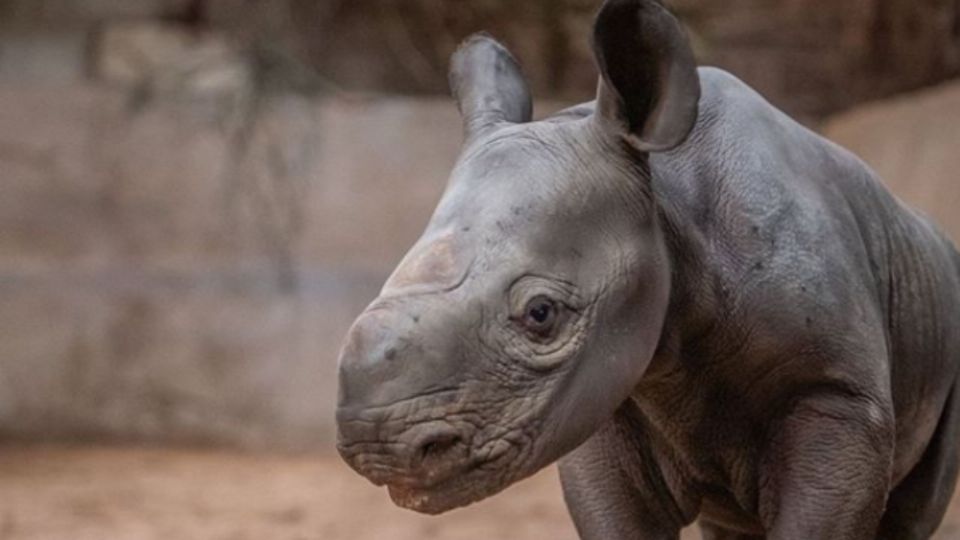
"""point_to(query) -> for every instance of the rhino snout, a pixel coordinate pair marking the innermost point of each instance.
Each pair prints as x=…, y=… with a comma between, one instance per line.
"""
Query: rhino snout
x=369, y=358
x=394, y=354
x=398, y=393
x=418, y=457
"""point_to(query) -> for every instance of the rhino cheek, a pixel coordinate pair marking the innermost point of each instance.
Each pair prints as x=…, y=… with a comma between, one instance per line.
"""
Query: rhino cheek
x=627, y=335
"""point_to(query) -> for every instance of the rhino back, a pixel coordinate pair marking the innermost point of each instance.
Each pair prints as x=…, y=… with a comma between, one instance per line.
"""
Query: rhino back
x=812, y=262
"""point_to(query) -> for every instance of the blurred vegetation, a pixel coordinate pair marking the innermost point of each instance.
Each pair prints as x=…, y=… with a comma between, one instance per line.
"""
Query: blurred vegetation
x=811, y=57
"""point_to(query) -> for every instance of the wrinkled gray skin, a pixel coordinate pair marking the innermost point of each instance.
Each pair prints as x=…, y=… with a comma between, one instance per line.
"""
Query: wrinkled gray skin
x=702, y=309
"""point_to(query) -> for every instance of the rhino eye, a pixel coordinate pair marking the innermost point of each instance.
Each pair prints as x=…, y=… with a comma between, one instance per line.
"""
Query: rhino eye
x=540, y=315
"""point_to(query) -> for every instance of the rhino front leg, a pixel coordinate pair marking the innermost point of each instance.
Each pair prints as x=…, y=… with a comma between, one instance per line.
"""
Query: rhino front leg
x=610, y=498
x=827, y=471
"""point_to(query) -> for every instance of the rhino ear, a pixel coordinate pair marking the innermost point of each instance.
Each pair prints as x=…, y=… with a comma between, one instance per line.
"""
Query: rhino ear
x=488, y=85
x=649, y=88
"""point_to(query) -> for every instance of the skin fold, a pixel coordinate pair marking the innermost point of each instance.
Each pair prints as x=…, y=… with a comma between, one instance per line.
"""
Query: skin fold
x=703, y=310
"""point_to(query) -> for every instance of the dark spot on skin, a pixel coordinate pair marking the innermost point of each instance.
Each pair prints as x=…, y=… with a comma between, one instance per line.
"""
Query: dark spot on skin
x=809, y=321
x=803, y=288
x=416, y=319
x=465, y=229
x=390, y=355
x=758, y=266
x=756, y=229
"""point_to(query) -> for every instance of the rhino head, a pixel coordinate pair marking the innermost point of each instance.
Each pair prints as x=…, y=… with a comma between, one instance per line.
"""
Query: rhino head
x=534, y=301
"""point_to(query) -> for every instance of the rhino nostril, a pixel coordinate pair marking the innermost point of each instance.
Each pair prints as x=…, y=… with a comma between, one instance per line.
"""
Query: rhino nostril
x=438, y=446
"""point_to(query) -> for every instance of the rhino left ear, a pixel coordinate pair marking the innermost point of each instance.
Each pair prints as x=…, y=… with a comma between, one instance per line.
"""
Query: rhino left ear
x=649, y=87
x=488, y=85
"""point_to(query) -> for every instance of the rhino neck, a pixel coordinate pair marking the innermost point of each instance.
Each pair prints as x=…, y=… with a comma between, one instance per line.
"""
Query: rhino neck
x=692, y=309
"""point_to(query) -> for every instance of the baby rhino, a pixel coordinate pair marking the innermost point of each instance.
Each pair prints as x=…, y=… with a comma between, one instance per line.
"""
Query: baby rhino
x=703, y=310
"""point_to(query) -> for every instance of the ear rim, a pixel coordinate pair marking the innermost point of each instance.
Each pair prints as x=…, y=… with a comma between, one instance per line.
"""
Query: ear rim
x=489, y=86
x=672, y=108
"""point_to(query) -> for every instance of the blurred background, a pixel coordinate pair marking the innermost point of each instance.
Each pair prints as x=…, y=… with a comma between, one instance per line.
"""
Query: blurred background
x=198, y=196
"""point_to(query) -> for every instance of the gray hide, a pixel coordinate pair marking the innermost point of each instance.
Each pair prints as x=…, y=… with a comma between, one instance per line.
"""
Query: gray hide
x=702, y=309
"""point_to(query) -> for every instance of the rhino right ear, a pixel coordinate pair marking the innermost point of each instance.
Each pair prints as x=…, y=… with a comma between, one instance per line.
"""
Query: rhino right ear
x=488, y=85
x=649, y=87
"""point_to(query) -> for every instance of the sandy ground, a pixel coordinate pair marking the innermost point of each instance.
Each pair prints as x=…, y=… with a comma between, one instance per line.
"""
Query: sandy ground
x=143, y=494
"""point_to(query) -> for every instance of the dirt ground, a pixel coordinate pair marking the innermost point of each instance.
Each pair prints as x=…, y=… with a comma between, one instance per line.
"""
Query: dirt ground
x=145, y=494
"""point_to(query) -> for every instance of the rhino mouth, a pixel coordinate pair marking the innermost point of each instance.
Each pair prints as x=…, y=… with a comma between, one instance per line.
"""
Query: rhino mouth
x=455, y=493
x=473, y=483
x=437, y=464
x=486, y=472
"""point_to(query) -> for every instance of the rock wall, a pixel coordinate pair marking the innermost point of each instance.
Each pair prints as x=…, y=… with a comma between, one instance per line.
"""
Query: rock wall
x=167, y=275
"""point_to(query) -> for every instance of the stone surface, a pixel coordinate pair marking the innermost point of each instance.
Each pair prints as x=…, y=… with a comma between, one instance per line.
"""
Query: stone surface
x=169, y=59
x=175, y=270
x=43, y=55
